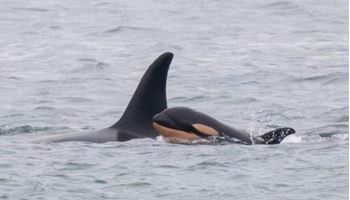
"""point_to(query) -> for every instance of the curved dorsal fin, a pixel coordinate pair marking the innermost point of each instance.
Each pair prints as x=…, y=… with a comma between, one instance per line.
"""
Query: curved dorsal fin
x=148, y=99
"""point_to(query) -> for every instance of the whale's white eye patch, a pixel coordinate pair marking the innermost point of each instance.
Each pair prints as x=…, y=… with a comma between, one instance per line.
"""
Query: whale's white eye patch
x=206, y=129
x=175, y=136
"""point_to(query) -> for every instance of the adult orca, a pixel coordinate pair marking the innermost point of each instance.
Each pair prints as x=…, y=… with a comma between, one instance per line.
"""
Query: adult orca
x=136, y=121
x=184, y=125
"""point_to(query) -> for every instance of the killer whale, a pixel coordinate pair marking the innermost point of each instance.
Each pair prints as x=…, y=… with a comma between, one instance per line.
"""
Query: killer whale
x=136, y=121
x=184, y=125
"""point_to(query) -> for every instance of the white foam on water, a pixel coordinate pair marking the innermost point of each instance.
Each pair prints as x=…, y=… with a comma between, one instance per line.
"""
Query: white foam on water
x=292, y=139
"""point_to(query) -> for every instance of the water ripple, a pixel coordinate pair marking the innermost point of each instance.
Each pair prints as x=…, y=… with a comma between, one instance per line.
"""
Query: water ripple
x=5, y=130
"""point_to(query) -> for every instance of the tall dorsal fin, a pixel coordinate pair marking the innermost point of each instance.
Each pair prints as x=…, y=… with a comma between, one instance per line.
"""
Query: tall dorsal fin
x=149, y=97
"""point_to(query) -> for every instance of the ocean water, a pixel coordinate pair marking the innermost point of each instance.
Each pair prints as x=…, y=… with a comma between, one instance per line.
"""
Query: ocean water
x=72, y=66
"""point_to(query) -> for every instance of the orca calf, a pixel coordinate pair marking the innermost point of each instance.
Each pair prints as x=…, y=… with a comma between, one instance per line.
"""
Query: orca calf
x=184, y=125
x=136, y=121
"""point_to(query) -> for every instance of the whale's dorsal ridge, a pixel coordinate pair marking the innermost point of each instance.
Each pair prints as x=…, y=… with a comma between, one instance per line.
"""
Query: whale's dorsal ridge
x=148, y=99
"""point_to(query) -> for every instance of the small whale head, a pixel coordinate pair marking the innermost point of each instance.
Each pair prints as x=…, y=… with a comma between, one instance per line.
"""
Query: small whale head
x=182, y=125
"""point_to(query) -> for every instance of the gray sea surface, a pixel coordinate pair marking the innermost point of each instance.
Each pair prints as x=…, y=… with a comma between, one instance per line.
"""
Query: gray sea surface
x=72, y=66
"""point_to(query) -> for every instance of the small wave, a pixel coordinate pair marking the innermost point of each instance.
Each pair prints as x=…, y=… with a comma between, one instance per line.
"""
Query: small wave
x=13, y=115
x=5, y=130
x=55, y=27
x=47, y=81
x=324, y=78
x=14, y=78
x=100, y=181
x=94, y=66
x=126, y=28
x=76, y=99
x=44, y=108
x=188, y=99
x=327, y=134
x=333, y=127
x=253, y=82
x=245, y=100
x=166, y=166
x=281, y=5
x=87, y=67
x=209, y=163
x=177, y=99
x=33, y=9
x=196, y=98
x=340, y=78
x=315, y=78
x=215, y=140
x=87, y=60
x=77, y=166
x=136, y=184
x=92, y=63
